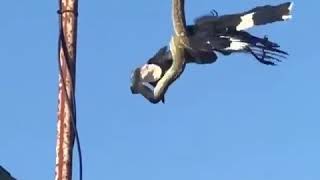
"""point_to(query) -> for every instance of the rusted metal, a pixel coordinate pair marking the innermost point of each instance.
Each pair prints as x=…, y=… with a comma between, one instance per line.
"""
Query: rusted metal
x=67, y=59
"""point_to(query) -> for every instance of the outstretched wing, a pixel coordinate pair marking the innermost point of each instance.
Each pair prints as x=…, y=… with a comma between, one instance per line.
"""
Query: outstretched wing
x=258, y=16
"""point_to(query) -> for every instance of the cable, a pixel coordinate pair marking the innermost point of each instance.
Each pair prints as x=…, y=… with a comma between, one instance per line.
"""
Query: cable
x=62, y=43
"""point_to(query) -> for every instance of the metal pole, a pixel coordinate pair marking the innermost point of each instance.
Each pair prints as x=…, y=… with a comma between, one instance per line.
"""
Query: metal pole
x=67, y=62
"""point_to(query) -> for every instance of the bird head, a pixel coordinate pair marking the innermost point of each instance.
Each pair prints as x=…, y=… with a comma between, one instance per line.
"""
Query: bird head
x=148, y=73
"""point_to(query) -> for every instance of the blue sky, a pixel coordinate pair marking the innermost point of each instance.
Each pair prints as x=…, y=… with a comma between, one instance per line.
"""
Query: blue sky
x=235, y=119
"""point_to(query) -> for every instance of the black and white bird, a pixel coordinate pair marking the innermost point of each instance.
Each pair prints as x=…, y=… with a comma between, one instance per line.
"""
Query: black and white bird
x=211, y=34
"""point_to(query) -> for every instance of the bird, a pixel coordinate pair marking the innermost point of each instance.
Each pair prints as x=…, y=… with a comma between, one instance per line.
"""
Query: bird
x=226, y=35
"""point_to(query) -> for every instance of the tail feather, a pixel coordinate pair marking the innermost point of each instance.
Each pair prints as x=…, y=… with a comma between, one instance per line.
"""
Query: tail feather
x=272, y=53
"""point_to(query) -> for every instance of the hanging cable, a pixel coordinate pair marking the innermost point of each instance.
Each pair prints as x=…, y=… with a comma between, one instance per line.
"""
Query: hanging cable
x=71, y=103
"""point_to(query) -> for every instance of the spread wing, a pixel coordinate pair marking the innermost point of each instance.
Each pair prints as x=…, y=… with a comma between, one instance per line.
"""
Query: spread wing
x=258, y=16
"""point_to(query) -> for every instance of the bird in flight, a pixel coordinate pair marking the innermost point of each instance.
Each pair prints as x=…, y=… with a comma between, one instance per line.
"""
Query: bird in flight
x=211, y=34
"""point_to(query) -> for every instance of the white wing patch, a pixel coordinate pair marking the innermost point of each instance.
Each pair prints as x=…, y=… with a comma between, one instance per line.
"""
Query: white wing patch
x=286, y=17
x=291, y=6
x=289, y=16
x=236, y=44
x=246, y=22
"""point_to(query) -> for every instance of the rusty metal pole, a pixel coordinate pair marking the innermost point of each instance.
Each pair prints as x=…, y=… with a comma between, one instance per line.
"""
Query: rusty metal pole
x=67, y=62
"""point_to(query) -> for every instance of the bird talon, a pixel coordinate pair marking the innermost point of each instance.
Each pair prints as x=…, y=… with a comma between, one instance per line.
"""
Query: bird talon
x=214, y=13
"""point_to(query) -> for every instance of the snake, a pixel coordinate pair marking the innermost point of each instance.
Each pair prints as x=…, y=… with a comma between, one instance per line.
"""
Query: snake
x=179, y=41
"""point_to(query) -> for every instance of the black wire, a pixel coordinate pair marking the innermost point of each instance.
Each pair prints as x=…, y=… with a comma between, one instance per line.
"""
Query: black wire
x=62, y=42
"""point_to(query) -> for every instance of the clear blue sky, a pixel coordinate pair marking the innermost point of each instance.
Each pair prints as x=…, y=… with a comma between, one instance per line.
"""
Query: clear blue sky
x=233, y=120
